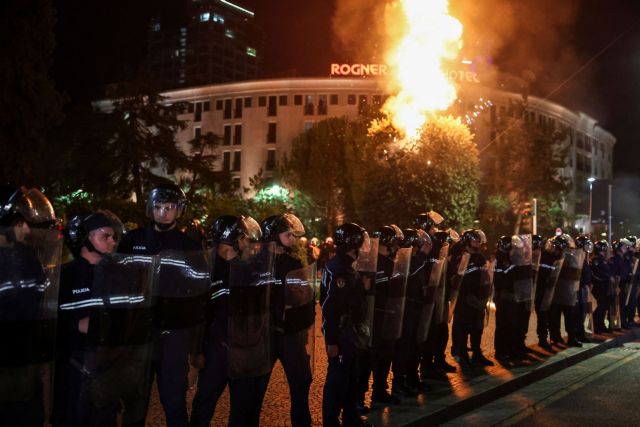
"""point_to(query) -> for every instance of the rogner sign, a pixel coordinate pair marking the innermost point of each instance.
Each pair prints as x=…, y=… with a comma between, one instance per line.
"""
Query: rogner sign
x=365, y=70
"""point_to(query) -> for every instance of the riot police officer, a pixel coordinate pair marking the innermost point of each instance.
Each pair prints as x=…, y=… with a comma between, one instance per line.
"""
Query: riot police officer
x=621, y=269
x=601, y=277
x=506, y=328
x=343, y=313
x=28, y=300
x=381, y=353
x=469, y=309
x=290, y=322
x=580, y=308
x=165, y=205
x=89, y=237
x=230, y=236
x=547, y=278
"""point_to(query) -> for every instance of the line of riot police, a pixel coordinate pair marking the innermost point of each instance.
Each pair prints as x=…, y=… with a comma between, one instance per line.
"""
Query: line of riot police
x=86, y=342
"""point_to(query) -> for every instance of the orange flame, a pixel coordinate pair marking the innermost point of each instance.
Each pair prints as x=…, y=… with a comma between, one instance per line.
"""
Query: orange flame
x=423, y=38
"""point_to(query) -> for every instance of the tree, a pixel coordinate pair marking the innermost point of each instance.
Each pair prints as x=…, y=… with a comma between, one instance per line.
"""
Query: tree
x=523, y=162
x=29, y=104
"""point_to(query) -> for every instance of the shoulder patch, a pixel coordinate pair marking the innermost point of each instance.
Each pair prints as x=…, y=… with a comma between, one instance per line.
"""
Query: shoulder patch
x=341, y=282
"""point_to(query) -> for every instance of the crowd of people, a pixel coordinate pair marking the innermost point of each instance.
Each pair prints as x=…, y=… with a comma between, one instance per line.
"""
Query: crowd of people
x=134, y=308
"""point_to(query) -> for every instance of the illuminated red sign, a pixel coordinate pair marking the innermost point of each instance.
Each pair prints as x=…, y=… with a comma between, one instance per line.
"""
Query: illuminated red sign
x=358, y=69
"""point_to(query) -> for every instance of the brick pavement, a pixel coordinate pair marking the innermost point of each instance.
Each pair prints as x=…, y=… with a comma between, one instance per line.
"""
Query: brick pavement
x=275, y=411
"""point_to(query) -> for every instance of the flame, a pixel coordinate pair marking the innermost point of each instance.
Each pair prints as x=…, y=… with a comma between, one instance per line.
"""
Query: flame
x=423, y=37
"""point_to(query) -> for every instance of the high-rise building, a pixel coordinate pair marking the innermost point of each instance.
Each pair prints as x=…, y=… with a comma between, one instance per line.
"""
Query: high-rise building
x=199, y=42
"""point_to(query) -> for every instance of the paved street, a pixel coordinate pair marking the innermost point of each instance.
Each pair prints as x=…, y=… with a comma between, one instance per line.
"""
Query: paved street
x=459, y=385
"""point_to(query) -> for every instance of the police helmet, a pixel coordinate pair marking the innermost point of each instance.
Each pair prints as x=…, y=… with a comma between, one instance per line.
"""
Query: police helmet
x=76, y=233
x=504, y=244
x=274, y=225
x=442, y=237
x=473, y=235
x=537, y=242
x=229, y=229
x=389, y=235
x=350, y=236
x=557, y=242
x=415, y=238
x=166, y=193
x=621, y=245
x=584, y=243
x=601, y=247
x=25, y=204
x=426, y=220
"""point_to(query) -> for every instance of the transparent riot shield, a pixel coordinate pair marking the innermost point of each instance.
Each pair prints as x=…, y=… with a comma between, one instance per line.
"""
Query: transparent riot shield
x=440, y=310
x=29, y=276
x=550, y=285
x=434, y=295
x=630, y=283
x=536, y=255
x=248, y=325
x=456, y=281
x=299, y=310
x=615, y=316
x=568, y=284
x=119, y=340
x=521, y=259
x=396, y=296
x=488, y=273
x=367, y=265
x=588, y=308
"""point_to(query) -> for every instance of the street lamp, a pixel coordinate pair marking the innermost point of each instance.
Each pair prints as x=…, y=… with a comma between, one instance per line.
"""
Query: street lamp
x=590, y=180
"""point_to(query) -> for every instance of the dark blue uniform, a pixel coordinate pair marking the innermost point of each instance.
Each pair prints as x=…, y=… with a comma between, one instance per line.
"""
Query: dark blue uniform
x=583, y=299
x=506, y=332
x=627, y=311
x=544, y=271
x=600, y=276
x=343, y=308
x=213, y=377
x=172, y=340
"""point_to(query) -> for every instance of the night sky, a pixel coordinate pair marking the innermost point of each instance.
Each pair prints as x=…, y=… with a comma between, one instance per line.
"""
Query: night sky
x=100, y=42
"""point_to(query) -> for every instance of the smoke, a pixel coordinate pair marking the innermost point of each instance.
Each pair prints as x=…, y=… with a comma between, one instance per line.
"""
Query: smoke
x=530, y=39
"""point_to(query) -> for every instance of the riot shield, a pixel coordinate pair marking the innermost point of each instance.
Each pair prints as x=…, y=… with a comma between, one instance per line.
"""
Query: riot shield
x=440, y=311
x=588, y=308
x=536, y=255
x=521, y=259
x=248, y=327
x=615, y=316
x=568, y=284
x=367, y=265
x=29, y=276
x=629, y=286
x=299, y=309
x=119, y=340
x=456, y=281
x=433, y=297
x=396, y=295
x=550, y=285
x=487, y=285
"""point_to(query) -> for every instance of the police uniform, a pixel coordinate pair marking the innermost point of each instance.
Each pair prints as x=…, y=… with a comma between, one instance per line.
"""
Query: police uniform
x=506, y=332
x=620, y=271
x=583, y=299
x=172, y=341
x=601, y=276
x=545, y=269
x=213, y=377
x=343, y=307
x=627, y=311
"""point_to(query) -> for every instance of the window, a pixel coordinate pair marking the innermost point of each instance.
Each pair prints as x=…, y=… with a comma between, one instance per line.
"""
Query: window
x=235, y=182
x=219, y=19
x=197, y=131
x=333, y=99
x=155, y=25
x=308, y=125
x=226, y=161
x=362, y=103
x=283, y=100
x=322, y=104
x=237, y=112
x=227, y=109
x=237, y=136
x=271, y=160
x=190, y=107
x=376, y=100
x=351, y=99
x=247, y=102
x=219, y=104
x=229, y=34
x=198, y=115
x=206, y=106
x=273, y=108
x=252, y=52
x=271, y=133
x=204, y=17
x=262, y=101
x=297, y=100
x=237, y=160
x=226, y=140
x=308, y=105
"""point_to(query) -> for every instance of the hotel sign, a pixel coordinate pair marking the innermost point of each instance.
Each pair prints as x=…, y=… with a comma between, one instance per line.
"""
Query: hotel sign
x=376, y=70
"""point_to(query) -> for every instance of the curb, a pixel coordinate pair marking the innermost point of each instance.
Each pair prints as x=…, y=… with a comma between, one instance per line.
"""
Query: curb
x=545, y=370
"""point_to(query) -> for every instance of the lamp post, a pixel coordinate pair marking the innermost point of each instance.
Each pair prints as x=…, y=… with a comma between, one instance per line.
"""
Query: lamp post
x=590, y=180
